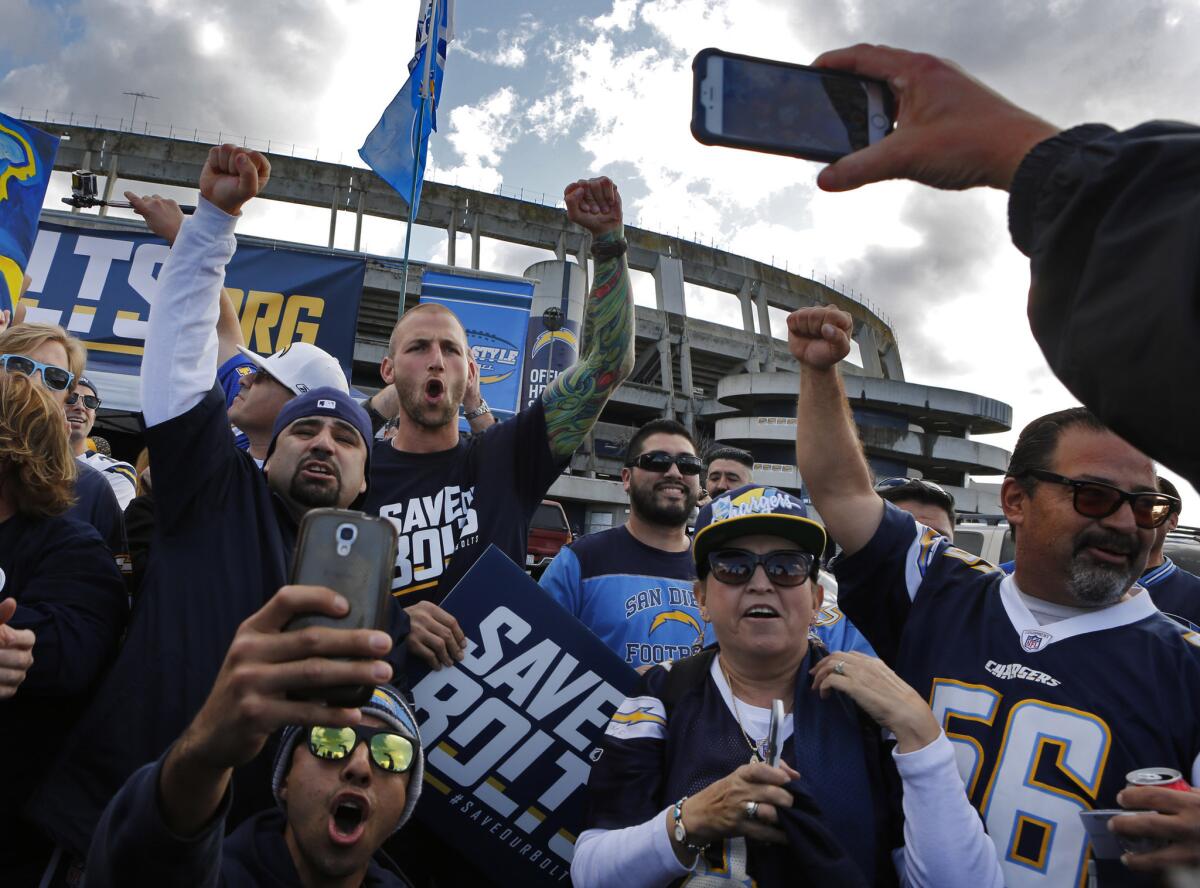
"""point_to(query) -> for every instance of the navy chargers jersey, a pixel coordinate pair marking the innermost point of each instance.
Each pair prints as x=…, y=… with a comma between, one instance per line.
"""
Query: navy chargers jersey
x=1046, y=720
x=1174, y=590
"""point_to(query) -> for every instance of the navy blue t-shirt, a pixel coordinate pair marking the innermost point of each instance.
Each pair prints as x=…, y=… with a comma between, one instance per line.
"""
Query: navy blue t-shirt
x=221, y=546
x=1046, y=719
x=97, y=505
x=449, y=506
x=1174, y=590
x=70, y=594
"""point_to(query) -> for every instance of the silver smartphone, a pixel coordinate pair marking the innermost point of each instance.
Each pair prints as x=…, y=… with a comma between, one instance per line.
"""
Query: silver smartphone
x=774, y=731
x=780, y=108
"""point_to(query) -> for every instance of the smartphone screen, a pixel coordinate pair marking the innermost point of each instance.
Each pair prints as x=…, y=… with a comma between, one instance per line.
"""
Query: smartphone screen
x=789, y=109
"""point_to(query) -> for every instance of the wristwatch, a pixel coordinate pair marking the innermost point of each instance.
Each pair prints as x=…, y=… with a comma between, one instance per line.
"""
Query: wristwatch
x=609, y=249
x=478, y=411
x=681, y=832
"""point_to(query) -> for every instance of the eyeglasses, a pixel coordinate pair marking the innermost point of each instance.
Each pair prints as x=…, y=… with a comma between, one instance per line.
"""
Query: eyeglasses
x=390, y=751
x=1095, y=499
x=91, y=402
x=889, y=485
x=661, y=461
x=735, y=567
x=54, y=377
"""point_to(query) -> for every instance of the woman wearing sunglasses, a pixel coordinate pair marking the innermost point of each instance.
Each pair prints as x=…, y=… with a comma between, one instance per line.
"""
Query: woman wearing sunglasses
x=691, y=781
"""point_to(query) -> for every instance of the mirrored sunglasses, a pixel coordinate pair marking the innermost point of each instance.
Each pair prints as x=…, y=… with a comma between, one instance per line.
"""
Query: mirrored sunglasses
x=390, y=751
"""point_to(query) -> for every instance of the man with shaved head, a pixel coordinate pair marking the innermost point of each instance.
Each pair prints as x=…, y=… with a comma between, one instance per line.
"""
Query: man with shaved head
x=450, y=498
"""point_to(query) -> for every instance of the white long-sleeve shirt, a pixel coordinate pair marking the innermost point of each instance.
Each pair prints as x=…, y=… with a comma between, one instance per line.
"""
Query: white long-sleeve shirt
x=179, y=366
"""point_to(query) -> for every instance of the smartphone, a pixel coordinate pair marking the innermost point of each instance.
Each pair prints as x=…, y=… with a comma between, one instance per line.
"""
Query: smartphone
x=1109, y=845
x=774, y=746
x=780, y=108
x=353, y=554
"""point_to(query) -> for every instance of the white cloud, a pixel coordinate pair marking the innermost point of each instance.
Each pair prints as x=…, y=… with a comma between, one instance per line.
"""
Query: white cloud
x=509, y=51
x=621, y=18
x=480, y=134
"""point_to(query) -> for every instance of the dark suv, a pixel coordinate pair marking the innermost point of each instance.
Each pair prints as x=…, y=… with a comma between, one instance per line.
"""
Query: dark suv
x=548, y=532
x=1183, y=547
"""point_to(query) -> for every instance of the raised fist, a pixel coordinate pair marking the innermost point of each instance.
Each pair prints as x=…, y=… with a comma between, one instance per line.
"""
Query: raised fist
x=595, y=204
x=232, y=176
x=819, y=337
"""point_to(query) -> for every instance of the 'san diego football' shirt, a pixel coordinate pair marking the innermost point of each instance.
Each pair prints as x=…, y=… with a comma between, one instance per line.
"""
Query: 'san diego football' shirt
x=637, y=598
x=1175, y=591
x=1046, y=719
x=449, y=506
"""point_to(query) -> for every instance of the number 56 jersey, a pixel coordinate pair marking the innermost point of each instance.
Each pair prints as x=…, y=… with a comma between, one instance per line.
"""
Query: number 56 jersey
x=1046, y=720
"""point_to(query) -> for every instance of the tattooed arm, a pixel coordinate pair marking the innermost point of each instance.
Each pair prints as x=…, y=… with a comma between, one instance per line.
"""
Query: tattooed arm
x=574, y=400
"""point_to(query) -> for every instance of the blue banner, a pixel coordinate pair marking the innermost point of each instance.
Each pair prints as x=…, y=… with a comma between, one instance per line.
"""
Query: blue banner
x=26, y=161
x=495, y=315
x=99, y=284
x=550, y=352
x=510, y=732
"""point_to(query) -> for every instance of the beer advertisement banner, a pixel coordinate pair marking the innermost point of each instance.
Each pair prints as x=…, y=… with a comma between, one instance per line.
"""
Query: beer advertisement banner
x=495, y=315
x=99, y=284
x=510, y=733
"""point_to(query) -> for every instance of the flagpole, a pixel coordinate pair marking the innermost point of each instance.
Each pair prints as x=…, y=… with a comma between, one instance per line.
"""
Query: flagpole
x=432, y=43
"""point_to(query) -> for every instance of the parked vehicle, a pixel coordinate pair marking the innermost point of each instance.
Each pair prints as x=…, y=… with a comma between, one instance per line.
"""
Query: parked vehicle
x=549, y=531
x=988, y=538
x=1183, y=547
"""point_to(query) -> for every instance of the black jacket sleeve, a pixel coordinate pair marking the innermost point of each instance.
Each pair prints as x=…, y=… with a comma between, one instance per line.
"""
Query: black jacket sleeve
x=1111, y=223
x=133, y=846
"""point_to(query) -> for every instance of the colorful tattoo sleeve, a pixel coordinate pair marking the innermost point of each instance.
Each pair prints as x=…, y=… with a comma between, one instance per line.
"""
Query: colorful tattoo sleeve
x=574, y=400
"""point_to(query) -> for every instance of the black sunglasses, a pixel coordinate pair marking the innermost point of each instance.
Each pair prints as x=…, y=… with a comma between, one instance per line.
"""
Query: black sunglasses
x=1095, y=499
x=390, y=751
x=787, y=567
x=53, y=377
x=661, y=461
x=91, y=402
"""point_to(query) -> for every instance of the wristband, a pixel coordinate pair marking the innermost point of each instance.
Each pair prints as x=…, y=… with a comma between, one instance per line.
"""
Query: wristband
x=611, y=249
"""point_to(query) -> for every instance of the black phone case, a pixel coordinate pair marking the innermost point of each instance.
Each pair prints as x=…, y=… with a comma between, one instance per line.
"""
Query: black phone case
x=705, y=137
x=361, y=572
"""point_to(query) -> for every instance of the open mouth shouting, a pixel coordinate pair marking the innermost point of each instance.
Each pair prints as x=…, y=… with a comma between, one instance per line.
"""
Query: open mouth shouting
x=348, y=818
x=435, y=390
x=319, y=471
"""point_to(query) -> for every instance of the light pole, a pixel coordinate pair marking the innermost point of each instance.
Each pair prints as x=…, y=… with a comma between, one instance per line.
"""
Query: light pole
x=136, y=96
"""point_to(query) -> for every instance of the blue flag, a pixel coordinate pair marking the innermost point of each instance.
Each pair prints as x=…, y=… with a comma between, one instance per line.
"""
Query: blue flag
x=26, y=161
x=398, y=143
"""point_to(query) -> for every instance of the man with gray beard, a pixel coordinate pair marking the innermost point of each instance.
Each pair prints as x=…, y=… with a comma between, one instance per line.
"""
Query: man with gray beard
x=632, y=585
x=1054, y=682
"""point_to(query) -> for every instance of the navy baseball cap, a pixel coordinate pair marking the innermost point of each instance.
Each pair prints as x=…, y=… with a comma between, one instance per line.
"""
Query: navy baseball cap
x=325, y=402
x=754, y=509
x=83, y=380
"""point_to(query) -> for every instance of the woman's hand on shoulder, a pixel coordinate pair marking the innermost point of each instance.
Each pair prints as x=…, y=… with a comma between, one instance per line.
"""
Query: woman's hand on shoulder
x=881, y=693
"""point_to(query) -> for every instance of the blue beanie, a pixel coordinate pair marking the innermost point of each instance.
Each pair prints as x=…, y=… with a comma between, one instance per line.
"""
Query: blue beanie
x=389, y=707
x=325, y=402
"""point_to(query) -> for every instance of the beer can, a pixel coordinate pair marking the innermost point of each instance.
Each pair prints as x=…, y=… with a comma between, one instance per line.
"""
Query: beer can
x=1167, y=778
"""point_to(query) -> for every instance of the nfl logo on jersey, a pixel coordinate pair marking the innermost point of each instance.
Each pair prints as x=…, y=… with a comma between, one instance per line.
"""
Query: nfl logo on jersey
x=1032, y=640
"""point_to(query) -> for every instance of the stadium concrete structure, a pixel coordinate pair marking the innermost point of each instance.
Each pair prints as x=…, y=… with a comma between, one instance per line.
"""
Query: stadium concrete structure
x=732, y=385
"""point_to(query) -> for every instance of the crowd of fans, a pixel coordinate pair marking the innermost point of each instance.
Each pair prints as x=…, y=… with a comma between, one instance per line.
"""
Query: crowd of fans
x=944, y=721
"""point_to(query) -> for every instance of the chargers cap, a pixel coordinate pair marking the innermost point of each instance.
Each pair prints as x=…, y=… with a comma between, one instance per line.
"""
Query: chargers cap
x=754, y=509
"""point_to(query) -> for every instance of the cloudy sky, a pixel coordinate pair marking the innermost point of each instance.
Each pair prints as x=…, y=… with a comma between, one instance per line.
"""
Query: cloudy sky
x=539, y=94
